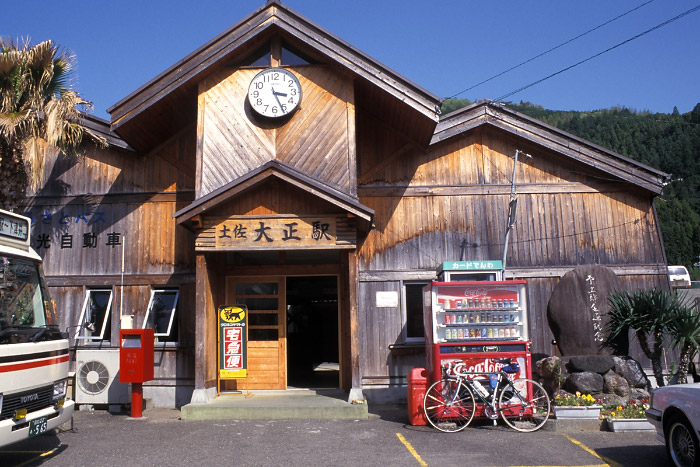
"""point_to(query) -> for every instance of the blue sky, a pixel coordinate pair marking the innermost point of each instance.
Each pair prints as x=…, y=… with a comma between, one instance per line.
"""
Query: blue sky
x=444, y=46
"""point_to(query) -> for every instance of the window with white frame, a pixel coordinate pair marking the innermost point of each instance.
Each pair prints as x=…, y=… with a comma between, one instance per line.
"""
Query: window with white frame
x=412, y=307
x=94, y=323
x=161, y=314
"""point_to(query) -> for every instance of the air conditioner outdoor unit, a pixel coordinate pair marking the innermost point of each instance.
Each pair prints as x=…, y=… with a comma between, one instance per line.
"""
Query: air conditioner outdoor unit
x=97, y=378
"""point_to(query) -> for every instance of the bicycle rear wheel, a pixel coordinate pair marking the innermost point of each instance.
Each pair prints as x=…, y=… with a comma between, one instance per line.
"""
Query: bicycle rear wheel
x=449, y=405
x=524, y=405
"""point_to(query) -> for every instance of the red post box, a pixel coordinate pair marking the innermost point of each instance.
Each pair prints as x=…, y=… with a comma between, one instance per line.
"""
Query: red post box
x=136, y=363
x=417, y=387
x=135, y=355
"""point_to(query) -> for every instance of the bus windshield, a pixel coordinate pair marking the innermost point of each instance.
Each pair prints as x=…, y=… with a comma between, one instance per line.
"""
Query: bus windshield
x=24, y=303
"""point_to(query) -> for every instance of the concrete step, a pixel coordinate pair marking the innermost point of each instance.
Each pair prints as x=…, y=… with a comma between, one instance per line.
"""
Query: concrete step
x=277, y=405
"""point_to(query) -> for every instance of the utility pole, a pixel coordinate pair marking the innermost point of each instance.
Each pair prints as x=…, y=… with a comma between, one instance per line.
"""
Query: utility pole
x=512, y=205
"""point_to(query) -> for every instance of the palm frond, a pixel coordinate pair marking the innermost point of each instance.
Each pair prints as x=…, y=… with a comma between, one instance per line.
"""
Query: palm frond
x=39, y=110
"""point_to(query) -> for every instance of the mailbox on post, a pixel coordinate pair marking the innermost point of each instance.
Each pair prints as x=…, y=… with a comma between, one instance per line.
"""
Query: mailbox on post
x=135, y=355
x=136, y=363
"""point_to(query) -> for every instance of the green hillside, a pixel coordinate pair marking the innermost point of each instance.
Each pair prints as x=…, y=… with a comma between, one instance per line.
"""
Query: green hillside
x=668, y=142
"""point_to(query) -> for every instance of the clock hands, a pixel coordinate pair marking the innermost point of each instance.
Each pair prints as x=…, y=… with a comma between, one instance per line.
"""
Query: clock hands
x=277, y=94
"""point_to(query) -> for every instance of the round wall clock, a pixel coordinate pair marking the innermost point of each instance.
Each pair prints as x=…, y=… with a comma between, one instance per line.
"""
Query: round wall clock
x=274, y=92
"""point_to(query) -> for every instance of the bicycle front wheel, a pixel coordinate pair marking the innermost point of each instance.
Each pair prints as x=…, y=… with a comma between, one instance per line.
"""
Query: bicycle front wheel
x=524, y=405
x=449, y=405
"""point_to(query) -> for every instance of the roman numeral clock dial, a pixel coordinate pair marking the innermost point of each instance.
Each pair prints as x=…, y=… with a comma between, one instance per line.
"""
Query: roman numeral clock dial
x=274, y=93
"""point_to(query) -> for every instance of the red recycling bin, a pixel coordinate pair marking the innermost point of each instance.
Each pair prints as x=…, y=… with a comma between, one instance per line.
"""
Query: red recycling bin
x=417, y=387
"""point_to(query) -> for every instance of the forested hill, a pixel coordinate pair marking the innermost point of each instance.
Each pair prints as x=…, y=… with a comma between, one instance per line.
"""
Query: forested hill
x=668, y=142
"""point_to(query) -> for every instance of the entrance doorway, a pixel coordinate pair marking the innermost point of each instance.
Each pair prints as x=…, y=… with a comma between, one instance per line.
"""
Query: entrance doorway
x=312, y=332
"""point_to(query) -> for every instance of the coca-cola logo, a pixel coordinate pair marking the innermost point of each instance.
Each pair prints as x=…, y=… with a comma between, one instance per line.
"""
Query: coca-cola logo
x=476, y=292
x=487, y=366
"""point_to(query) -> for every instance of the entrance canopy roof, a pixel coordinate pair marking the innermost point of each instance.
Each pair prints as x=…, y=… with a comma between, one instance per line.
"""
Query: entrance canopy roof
x=282, y=172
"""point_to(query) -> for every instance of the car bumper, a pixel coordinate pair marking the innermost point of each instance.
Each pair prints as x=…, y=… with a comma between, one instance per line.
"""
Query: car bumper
x=655, y=417
x=12, y=431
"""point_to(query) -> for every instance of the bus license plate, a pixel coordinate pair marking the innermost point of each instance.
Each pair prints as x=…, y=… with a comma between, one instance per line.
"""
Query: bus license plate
x=37, y=426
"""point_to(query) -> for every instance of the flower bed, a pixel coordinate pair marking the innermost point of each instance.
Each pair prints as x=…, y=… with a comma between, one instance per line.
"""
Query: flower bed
x=575, y=400
x=628, y=417
x=633, y=409
x=576, y=406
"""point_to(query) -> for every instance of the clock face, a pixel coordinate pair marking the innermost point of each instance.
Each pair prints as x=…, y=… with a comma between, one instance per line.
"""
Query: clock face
x=274, y=92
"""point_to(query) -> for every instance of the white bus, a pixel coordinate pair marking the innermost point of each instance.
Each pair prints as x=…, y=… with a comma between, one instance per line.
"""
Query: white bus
x=34, y=354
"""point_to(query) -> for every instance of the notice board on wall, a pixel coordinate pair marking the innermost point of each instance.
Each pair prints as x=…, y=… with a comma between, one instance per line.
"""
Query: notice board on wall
x=233, y=341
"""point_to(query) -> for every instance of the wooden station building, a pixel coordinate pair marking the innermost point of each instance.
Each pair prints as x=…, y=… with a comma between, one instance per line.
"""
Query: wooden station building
x=353, y=186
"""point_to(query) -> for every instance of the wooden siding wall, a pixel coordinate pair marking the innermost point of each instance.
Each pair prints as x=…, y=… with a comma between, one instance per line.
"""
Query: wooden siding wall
x=428, y=205
x=381, y=328
x=318, y=139
x=112, y=191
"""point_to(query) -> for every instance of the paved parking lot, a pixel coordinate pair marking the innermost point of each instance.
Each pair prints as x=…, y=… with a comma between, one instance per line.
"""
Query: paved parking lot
x=160, y=438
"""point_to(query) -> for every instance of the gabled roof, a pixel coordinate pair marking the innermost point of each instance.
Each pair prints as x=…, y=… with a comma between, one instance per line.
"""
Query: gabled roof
x=283, y=172
x=100, y=127
x=486, y=112
x=177, y=85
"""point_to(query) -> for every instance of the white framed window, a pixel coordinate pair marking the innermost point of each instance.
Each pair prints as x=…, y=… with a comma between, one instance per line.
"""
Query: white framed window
x=94, y=323
x=412, y=309
x=161, y=314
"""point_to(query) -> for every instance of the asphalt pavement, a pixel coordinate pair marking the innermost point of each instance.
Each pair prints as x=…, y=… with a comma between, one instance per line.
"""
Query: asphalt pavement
x=160, y=438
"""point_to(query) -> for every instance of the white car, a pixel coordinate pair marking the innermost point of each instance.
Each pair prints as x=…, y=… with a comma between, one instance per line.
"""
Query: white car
x=679, y=277
x=675, y=413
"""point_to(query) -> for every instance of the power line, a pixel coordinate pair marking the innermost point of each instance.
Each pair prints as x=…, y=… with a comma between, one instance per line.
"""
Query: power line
x=686, y=13
x=550, y=50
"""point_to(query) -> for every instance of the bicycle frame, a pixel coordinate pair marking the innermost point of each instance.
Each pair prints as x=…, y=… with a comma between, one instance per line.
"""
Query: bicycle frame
x=503, y=382
x=450, y=404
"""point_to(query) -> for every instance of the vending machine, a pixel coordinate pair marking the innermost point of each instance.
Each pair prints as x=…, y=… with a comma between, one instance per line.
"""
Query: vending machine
x=477, y=322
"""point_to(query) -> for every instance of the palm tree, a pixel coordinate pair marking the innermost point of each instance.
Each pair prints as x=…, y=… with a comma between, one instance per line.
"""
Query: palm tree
x=38, y=110
x=647, y=313
x=684, y=328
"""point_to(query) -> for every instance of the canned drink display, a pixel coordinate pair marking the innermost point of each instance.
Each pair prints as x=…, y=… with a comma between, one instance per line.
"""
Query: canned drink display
x=483, y=332
x=489, y=332
x=476, y=317
x=460, y=333
x=488, y=317
x=507, y=332
x=471, y=333
x=471, y=318
x=501, y=333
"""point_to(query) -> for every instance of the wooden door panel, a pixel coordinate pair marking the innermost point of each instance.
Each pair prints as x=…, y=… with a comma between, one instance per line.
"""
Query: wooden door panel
x=265, y=297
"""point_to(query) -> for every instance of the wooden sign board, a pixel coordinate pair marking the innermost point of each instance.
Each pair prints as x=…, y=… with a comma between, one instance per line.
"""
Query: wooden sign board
x=276, y=232
x=233, y=341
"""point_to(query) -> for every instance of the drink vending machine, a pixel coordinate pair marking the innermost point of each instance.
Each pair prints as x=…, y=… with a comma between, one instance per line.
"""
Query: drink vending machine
x=477, y=322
